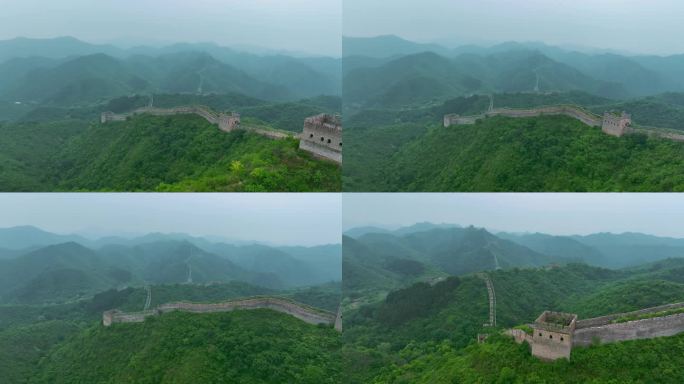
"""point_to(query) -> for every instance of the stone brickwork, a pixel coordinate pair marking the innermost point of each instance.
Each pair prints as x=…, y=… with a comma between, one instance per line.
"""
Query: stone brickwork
x=322, y=136
x=300, y=311
x=552, y=335
x=610, y=123
x=225, y=122
x=616, y=125
x=555, y=339
x=631, y=330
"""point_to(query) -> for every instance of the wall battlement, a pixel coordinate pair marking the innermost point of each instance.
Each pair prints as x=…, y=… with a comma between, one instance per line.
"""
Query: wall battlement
x=226, y=122
x=610, y=123
x=322, y=136
x=556, y=340
x=300, y=311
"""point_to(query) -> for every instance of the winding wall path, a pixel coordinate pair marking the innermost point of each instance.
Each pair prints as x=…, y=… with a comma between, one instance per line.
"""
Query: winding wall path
x=301, y=311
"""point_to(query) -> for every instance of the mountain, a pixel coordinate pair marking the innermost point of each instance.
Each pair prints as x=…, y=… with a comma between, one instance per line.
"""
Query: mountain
x=33, y=70
x=564, y=247
x=55, y=48
x=630, y=249
x=23, y=237
x=385, y=46
x=377, y=262
x=427, y=77
x=445, y=318
x=225, y=347
x=57, y=272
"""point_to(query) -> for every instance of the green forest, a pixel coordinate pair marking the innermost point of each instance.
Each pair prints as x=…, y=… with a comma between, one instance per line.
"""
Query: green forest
x=551, y=153
x=425, y=333
x=149, y=153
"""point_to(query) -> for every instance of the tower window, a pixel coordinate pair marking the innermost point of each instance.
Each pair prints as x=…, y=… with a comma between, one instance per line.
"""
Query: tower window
x=322, y=138
x=539, y=333
x=550, y=336
x=328, y=141
x=562, y=338
x=311, y=135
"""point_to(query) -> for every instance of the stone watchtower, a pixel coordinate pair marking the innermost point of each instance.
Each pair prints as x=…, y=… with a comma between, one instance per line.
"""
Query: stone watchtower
x=552, y=337
x=322, y=136
x=230, y=122
x=616, y=125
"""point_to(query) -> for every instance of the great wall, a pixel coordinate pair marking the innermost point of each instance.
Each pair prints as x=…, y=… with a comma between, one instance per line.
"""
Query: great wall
x=300, y=311
x=555, y=334
x=610, y=123
x=321, y=136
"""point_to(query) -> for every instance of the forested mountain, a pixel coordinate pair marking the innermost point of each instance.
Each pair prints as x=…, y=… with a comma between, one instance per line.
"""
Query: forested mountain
x=66, y=71
x=51, y=270
x=377, y=261
x=428, y=332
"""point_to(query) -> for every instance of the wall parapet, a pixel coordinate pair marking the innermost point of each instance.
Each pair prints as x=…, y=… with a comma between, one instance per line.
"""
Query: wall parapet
x=300, y=311
x=611, y=124
x=322, y=136
x=555, y=339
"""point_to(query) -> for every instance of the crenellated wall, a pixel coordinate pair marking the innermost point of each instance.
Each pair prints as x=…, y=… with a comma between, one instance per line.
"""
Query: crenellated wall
x=300, y=311
x=225, y=122
x=550, y=342
x=322, y=136
x=610, y=123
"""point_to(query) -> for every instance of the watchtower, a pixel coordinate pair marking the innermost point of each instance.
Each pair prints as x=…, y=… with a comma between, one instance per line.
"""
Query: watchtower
x=616, y=125
x=552, y=336
x=322, y=136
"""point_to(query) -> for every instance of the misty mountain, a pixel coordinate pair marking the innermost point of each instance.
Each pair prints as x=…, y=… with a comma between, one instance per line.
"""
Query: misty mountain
x=55, y=48
x=388, y=71
x=22, y=237
x=385, y=46
x=69, y=266
x=33, y=70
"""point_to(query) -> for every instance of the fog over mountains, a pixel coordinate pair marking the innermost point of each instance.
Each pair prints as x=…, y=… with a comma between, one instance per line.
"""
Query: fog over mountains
x=379, y=70
x=38, y=266
x=67, y=71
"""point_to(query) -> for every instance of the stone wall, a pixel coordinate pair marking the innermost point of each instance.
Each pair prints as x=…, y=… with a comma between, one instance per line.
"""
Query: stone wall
x=322, y=136
x=605, y=320
x=631, y=330
x=302, y=312
x=616, y=125
x=550, y=339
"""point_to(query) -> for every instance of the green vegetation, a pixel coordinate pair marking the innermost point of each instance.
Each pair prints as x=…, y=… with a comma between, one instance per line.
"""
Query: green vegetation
x=426, y=333
x=553, y=153
x=500, y=360
x=147, y=153
x=651, y=315
x=258, y=346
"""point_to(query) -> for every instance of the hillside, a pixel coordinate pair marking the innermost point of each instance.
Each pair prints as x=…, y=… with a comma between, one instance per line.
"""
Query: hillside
x=68, y=72
x=500, y=360
x=505, y=154
x=241, y=347
x=180, y=153
x=399, y=338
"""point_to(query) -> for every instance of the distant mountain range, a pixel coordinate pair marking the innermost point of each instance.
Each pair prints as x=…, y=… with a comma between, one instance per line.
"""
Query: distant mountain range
x=38, y=266
x=387, y=71
x=67, y=71
x=376, y=258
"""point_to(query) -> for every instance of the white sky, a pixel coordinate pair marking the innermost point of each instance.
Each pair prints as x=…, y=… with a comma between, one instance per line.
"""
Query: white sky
x=311, y=26
x=551, y=213
x=640, y=26
x=278, y=218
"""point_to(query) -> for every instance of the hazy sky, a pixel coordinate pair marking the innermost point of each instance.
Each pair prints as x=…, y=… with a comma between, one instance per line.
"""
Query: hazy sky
x=312, y=26
x=640, y=26
x=552, y=213
x=287, y=219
